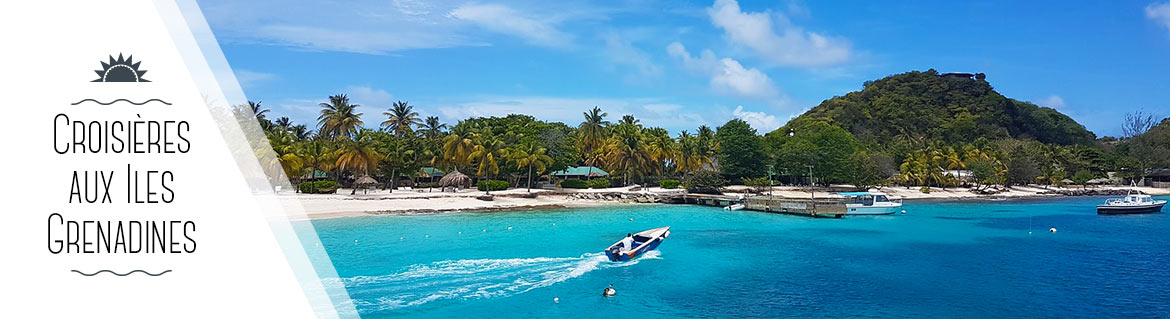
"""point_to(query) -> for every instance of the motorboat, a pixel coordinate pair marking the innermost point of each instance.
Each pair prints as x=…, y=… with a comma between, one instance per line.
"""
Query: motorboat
x=737, y=206
x=644, y=241
x=1131, y=204
x=870, y=203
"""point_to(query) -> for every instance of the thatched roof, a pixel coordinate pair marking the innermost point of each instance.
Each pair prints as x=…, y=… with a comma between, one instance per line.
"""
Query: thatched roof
x=455, y=178
x=366, y=180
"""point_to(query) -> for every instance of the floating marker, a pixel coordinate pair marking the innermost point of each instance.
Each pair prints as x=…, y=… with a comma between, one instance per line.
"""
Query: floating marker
x=401, y=238
x=556, y=300
x=355, y=240
x=509, y=227
x=631, y=219
x=1052, y=230
x=461, y=233
x=485, y=230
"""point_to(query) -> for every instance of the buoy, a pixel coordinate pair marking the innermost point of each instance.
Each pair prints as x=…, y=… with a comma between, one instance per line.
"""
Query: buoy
x=556, y=300
x=461, y=233
x=509, y=227
x=401, y=238
x=903, y=211
x=485, y=230
x=1052, y=230
x=355, y=240
x=631, y=219
x=609, y=292
x=428, y=236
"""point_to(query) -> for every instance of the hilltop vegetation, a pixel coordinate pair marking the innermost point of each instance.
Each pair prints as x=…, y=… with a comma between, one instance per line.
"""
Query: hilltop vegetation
x=925, y=106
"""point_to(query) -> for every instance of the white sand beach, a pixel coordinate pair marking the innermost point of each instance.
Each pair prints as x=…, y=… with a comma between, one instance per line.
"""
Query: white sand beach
x=425, y=201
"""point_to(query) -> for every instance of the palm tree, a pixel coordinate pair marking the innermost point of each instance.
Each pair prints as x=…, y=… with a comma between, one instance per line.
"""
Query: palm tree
x=629, y=119
x=662, y=149
x=259, y=112
x=688, y=158
x=286, y=147
x=486, y=151
x=398, y=156
x=431, y=128
x=532, y=156
x=283, y=123
x=317, y=155
x=626, y=151
x=457, y=151
x=401, y=118
x=358, y=153
x=338, y=118
x=591, y=133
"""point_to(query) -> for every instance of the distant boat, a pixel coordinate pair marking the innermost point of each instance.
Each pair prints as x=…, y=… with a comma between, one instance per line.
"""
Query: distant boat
x=734, y=207
x=1131, y=204
x=870, y=203
x=644, y=241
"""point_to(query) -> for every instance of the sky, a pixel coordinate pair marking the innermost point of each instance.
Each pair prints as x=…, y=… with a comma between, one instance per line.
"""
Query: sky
x=681, y=64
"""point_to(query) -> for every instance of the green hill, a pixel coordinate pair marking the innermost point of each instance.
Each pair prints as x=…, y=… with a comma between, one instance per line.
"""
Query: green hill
x=954, y=108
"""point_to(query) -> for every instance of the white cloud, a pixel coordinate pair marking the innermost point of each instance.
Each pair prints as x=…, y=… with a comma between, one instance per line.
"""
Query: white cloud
x=505, y=20
x=728, y=76
x=762, y=122
x=622, y=52
x=250, y=78
x=1052, y=101
x=1160, y=13
x=775, y=39
x=384, y=27
x=375, y=99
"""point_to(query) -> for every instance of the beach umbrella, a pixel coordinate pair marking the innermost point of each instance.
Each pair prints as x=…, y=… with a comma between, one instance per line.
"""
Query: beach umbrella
x=455, y=179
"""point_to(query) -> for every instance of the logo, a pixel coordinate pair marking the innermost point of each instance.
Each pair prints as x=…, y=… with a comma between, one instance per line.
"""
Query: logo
x=121, y=70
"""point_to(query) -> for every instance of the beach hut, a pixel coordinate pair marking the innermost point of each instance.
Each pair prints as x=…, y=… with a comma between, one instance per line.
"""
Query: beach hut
x=455, y=179
x=580, y=172
x=368, y=182
x=430, y=173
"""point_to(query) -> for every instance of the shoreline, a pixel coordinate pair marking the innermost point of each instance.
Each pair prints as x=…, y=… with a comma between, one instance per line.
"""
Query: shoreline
x=422, y=202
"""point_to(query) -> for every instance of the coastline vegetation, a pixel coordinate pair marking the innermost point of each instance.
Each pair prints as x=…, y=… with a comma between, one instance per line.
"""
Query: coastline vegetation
x=916, y=129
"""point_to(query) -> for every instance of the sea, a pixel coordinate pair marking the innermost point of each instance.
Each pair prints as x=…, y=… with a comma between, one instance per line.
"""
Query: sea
x=1020, y=258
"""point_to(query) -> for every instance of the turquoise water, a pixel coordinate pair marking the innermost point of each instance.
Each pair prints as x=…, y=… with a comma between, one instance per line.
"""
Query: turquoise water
x=943, y=259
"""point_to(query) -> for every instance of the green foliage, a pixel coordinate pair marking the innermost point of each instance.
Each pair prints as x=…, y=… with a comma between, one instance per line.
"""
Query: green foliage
x=668, y=183
x=870, y=169
x=758, y=184
x=318, y=187
x=574, y=183
x=924, y=189
x=741, y=154
x=598, y=183
x=917, y=106
x=826, y=147
x=1081, y=177
x=705, y=182
x=1151, y=149
x=986, y=171
x=426, y=185
x=488, y=185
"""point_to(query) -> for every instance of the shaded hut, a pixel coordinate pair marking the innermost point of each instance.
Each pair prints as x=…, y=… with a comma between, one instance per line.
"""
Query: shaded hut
x=455, y=179
x=367, y=181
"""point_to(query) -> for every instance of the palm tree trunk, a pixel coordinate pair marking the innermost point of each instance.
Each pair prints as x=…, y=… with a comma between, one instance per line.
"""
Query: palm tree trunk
x=529, y=178
x=393, y=179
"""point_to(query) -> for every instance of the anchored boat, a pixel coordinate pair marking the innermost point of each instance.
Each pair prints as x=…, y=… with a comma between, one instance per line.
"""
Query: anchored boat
x=643, y=242
x=870, y=203
x=1131, y=204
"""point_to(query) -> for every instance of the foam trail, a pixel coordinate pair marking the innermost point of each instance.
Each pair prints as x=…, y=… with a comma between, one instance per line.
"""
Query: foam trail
x=471, y=278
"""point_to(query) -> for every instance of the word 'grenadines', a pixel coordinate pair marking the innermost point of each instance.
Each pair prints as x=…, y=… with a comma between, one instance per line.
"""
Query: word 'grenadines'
x=137, y=136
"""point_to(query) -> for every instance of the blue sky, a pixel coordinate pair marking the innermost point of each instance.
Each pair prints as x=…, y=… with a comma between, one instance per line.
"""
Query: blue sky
x=678, y=65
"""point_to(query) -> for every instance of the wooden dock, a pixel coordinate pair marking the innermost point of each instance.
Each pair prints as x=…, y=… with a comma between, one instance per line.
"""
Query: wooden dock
x=825, y=208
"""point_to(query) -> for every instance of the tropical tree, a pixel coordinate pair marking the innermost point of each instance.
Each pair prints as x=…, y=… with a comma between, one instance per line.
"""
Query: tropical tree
x=431, y=128
x=339, y=118
x=359, y=154
x=741, y=154
x=626, y=151
x=401, y=118
x=591, y=134
x=487, y=151
x=531, y=156
x=457, y=151
x=397, y=157
x=260, y=113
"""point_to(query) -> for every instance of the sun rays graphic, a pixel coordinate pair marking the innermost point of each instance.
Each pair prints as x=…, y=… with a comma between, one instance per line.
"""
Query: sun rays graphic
x=121, y=70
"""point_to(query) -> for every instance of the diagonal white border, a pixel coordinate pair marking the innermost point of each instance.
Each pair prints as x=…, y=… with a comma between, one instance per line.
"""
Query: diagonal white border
x=256, y=159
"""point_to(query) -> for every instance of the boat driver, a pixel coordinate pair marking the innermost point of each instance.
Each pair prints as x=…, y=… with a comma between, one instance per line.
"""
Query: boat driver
x=627, y=243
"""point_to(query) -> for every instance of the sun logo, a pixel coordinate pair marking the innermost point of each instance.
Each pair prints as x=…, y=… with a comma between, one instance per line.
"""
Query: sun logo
x=120, y=70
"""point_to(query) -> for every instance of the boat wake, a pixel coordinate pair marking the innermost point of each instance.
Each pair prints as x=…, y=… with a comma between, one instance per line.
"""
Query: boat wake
x=470, y=279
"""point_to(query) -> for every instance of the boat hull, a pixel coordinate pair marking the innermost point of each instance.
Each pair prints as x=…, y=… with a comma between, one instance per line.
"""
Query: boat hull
x=644, y=241
x=1136, y=209
x=872, y=210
